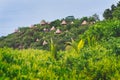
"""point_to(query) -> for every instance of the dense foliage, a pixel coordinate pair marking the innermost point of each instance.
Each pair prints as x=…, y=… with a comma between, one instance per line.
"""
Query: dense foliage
x=96, y=59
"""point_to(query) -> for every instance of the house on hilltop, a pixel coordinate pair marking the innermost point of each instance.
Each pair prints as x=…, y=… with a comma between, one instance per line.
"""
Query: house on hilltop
x=64, y=22
x=43, y=22
x=84, y=22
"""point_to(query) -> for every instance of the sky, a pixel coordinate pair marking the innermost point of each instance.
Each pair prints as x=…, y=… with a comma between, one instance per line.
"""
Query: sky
x=22, y=13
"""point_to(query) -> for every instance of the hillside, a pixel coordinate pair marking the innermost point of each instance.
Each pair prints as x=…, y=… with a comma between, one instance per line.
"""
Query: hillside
x=94, y=57
x=37, y=36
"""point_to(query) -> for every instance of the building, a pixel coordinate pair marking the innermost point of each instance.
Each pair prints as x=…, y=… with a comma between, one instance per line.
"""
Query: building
x=84, y=22
x=45, y=30
x=64, y=22
x=37, y=40
x=44, y=43
x=53, y=28
x=43, y=22
x=72, y=22
x=58, y=31
x=92, y=22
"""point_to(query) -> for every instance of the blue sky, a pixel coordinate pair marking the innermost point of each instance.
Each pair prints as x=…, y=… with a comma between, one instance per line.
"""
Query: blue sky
x=19, y=13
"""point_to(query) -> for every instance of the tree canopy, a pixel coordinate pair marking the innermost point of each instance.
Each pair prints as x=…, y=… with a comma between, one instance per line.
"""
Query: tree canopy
x=113, y=12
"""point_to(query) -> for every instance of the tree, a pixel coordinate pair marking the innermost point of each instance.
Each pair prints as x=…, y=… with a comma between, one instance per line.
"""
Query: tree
x=118, y=4
x=116, y=13
x=113, y=7
x=107, y=14
x=70, y=18
x=84, y=18
x=55, y=23
x=91, y=19
x=96, y=17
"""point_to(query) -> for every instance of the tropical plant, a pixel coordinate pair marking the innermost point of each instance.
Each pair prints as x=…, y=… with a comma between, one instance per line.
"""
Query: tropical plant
x=76, y=46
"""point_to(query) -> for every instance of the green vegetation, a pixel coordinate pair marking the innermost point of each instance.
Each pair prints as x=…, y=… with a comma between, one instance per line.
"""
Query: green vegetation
x=97, y=59
x=35, y=35
x=76, y=52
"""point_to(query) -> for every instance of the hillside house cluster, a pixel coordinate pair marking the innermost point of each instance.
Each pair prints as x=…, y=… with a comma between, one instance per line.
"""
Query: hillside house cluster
x=43, y=22
x=63, y=22
x=56, y=31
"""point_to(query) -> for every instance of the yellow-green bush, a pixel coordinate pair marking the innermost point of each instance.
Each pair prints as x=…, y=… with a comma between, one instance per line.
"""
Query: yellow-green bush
x=94, y=63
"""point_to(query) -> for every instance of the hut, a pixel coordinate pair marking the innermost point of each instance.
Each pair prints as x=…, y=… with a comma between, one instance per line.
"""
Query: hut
x=58, y=31
x=64, y=22
x=53, y=28
x=37, y=40
x=84, y=22
x=92, y=22
x=48, y=23
x=44, y=43
x=45, y=30
x=43, y=22
x=72, y=22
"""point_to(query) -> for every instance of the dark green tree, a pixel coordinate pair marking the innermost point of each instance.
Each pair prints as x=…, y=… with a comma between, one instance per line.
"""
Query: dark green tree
x=90, y=19
x=118, y=4
x=116, y=13
x=113, y=7
x=107, y=14
x=70, y=18
x=55, y=23
x=95, y=17
x=84, y=18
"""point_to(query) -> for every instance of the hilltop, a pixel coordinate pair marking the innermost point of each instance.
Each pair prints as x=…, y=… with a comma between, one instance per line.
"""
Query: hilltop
x=37, y=36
